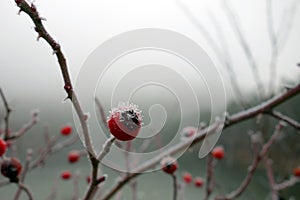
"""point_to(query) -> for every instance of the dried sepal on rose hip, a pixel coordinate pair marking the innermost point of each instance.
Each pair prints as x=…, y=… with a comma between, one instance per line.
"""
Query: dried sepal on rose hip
x=169, y=165
x=125, y=121
x=11, y=168
x=3, y=147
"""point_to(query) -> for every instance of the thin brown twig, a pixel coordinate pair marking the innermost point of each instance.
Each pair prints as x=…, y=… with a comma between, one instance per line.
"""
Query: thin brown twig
x=53, y=194
x=26, y=190
x=6, y=118
x=223, y=56
x=288, y=183
x=26, y=127
x=274, y=45
x=286, y=23
x=51, y=149
x=209, y=176
x=24, y=173
x=246, y=48
x=284, y=118
x=268, y=166
x=75, y=195
x=227, y=62
x=175, y=186
x=92, y=189
x=278, y=38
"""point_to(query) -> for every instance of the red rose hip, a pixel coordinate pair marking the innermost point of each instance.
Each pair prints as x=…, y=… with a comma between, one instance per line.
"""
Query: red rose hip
x=125, y=122
x=198, y=182
x=218, y=152
x=65, y=175
x=187, y=177
x=66, y=130
x=297, y=171
x=169, y=165
x=3, y=146
x=11, y=168
x=73, y=156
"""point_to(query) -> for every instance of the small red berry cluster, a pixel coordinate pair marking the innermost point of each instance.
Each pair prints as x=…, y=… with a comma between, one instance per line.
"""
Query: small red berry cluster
x=187, y=179
x=73, y=156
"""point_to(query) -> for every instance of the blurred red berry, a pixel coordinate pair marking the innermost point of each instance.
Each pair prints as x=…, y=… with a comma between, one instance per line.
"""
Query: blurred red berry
x=73, y=156
x=169, y=165
x=198, y=182
x=11, y=168
x=297, y=171
x=125, y=122
x=88, y=179
x=218, y=152
x=66, y=130
x=187, y=177
x=65, y=175
x=188, y=132
x=3, y=146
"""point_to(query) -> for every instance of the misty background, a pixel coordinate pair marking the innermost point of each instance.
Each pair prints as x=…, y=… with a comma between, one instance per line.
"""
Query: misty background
x=31, y=79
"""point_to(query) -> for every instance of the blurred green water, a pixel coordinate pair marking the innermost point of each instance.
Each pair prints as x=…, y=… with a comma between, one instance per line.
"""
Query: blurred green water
x=157, y=185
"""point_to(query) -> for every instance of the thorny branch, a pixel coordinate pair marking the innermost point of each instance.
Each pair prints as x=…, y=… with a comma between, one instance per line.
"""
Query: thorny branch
x=6, y=118
x=32, y=12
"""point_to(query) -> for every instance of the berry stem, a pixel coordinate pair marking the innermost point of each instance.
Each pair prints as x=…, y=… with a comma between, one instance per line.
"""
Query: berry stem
x=210, y=167
x=92, y=189
x=175, y=188
x=26, y=190
x=106, y=147
x=24, y=173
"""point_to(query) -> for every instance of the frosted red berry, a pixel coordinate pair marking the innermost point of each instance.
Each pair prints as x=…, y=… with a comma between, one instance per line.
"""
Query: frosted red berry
x=297, y=171
x=65, y=175
x=3, y=146
x=187, y=177
x=11, y=168
x=169, y=165
x=125, y=122
x=218, y=152
x=73, y=156
x=66, y=130
x=198, y=182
